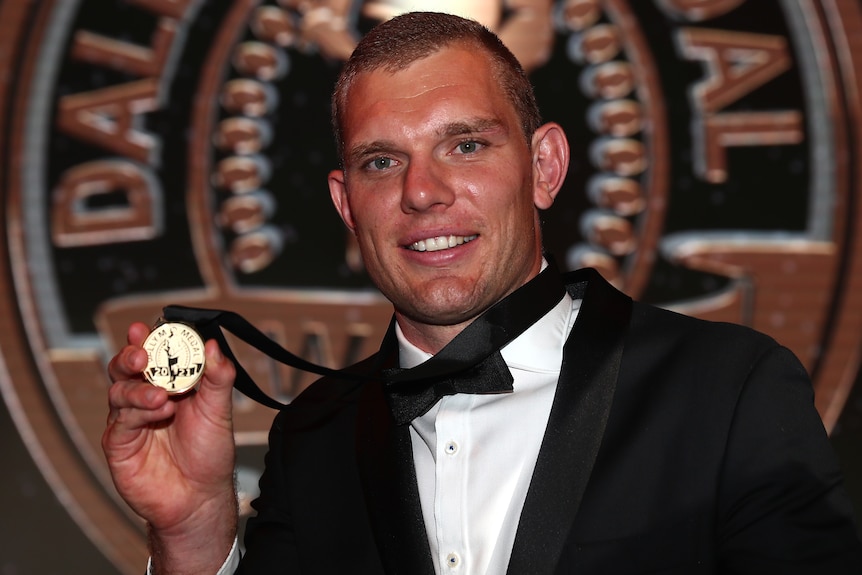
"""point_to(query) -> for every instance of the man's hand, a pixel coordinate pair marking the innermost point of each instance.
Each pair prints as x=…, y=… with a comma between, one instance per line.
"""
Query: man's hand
x=172, y=458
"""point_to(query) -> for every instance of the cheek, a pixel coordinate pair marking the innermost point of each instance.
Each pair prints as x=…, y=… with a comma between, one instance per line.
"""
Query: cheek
x=490, y=183
x=365, y=207
x=502, y=198
x=372, y=228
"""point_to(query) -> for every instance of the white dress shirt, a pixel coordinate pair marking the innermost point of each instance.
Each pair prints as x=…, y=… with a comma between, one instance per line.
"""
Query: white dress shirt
x=475, y=453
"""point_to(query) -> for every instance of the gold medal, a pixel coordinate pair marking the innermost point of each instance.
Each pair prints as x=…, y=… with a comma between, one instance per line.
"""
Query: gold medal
x=175, y=357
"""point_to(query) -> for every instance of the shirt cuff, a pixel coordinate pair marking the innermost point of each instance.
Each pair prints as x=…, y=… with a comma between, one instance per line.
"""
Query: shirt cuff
x=229, y=566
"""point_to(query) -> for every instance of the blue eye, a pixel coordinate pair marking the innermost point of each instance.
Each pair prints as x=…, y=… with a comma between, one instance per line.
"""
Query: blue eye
x=468, y=147
x=380, y=163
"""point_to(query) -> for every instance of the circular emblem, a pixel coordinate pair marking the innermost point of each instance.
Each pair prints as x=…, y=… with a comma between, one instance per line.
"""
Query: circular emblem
x=176, y=152
x=175, y=357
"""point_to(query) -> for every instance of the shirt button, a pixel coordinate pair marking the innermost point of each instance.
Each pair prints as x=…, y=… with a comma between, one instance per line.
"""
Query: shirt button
x=451, y=448
x=452, y=560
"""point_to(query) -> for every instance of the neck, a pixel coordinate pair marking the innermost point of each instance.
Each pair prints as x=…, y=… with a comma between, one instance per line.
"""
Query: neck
x=429, y=338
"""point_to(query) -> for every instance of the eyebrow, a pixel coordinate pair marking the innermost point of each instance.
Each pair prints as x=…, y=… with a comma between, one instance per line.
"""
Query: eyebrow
x=358, y=153
x=471, y=126
x=476, y=125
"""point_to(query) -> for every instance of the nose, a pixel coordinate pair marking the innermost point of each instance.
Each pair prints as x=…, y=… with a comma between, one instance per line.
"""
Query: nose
x=425, y=187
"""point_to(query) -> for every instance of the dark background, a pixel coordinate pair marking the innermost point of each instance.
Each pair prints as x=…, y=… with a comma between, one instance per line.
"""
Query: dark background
x=38, y=537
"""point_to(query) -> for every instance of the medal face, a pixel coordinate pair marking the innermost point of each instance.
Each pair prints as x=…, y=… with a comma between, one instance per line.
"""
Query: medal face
x=175, y=357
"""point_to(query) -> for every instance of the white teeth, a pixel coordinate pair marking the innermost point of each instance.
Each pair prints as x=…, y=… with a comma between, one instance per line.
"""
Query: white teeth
x=440, y=243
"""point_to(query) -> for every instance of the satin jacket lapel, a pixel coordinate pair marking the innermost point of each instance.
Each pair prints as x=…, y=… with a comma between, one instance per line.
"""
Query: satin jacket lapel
x=385, y=459
x=588, y=375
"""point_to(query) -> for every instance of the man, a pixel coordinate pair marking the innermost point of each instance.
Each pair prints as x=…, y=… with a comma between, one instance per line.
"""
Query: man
x=626, y=439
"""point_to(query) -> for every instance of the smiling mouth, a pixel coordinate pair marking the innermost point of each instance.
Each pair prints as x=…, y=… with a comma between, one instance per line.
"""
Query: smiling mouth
x=440, y=243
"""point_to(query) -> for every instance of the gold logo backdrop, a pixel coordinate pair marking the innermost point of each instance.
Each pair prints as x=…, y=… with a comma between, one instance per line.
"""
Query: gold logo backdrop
x=175, y=151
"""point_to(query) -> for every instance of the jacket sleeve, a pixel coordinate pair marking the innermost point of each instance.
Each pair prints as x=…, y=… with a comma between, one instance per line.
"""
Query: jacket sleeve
x=782, y=507
x=270, y=543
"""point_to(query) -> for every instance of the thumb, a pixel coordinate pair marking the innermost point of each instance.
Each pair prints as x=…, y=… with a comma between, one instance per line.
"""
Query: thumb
x=219, y=374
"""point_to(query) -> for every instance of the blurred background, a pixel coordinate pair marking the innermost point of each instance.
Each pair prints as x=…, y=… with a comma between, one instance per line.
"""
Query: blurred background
x=175, y=151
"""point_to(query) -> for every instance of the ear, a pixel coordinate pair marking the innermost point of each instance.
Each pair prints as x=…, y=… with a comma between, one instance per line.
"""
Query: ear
x=338, y=193
x=550, y=150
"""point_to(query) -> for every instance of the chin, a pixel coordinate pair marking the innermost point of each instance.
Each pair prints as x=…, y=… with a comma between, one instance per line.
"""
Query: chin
x=444, y=302
x=445, y=314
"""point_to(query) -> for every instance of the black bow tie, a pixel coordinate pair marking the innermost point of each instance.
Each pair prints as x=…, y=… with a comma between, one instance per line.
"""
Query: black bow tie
x=411, y=399
x=470, y=363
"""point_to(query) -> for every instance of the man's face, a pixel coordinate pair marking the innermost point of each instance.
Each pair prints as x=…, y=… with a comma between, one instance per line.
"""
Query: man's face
x=438, y=188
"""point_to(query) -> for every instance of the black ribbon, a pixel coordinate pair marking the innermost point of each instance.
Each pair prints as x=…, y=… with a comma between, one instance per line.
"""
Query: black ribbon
x=469, y=363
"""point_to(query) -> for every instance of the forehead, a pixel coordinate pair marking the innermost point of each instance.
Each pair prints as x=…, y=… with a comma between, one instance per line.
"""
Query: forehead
x=454, y=81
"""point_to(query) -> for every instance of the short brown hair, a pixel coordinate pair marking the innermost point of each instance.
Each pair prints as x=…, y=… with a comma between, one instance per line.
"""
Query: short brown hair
x=397, y=43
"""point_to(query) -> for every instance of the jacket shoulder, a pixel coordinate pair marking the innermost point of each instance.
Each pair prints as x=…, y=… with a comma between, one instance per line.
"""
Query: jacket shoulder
x=678, y=330
x=330, y=397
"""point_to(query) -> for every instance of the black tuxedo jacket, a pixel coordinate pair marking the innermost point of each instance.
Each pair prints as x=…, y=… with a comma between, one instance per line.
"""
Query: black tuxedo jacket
x=674, y=446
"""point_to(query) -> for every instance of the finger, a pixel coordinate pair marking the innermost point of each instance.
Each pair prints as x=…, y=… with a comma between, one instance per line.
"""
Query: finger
x=219, y=375
x=131, y=360
x=220, y=371
x=128, y=427
x=129, y=363
x=135, y=394
x=137, y=333
x=135, y=404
